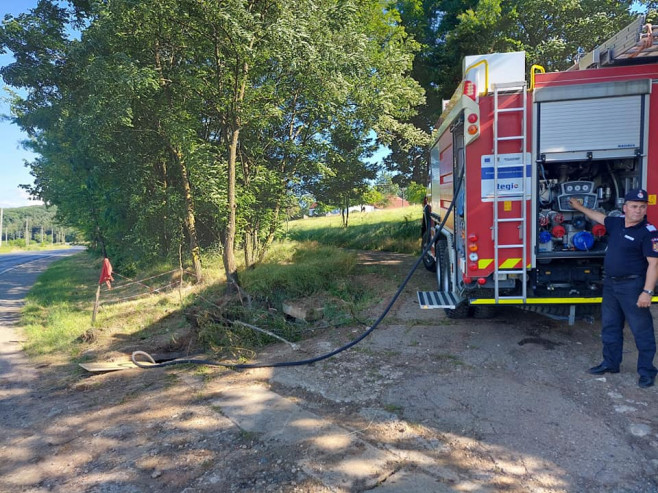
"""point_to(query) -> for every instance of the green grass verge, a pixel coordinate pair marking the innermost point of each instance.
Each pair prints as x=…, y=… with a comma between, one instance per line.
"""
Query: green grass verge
x=57, y=311
x=393, y=230
x=297, y=270
x=57, y=314
x=300, y=272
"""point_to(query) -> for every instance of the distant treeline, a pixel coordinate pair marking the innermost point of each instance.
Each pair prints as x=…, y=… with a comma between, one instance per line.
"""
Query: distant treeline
x=38, y=223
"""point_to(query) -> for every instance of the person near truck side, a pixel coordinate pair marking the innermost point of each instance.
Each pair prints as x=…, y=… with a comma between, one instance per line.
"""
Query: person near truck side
x=631, y=273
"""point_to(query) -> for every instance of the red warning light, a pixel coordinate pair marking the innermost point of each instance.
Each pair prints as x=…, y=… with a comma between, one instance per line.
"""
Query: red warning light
x=470, y=89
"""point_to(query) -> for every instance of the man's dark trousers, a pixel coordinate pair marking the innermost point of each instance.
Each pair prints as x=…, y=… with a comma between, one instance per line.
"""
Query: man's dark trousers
x=619, y=305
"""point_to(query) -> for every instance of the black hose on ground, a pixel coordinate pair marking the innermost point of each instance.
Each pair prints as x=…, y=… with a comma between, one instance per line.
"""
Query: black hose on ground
x=245, y=366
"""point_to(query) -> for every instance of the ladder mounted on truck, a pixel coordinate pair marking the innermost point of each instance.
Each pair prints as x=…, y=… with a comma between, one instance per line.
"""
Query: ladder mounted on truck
x=519, y=135
x=636, y=41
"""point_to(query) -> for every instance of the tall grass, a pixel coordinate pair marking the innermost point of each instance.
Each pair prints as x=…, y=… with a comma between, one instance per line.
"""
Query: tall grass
x=58, y=308
x=312, y=264
x=320, y=276
x=308, y=269
x=56, y=311
x=393, y=230
x=57, y=315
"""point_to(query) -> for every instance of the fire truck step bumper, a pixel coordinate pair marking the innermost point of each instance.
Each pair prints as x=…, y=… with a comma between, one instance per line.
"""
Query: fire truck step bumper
x=437, y=299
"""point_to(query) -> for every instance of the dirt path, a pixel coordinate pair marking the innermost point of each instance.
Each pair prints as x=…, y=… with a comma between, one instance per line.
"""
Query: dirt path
x=425, y=404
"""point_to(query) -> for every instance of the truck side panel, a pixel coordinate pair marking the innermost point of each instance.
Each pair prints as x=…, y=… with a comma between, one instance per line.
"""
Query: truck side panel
x=480, y=183
x=442, y=157
x=651, y=139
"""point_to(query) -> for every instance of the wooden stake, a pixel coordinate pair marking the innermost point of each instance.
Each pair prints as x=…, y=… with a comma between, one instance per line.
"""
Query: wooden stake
x=98, y=296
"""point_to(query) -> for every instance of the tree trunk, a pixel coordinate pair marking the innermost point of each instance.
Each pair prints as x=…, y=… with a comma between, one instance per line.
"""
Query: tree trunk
x=270, y=234
x=230, y=265
x=248, y=251
x=251, y=247
x=190, y=219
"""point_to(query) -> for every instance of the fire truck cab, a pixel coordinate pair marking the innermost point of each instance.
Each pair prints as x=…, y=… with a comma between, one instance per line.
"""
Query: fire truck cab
x=508, y=155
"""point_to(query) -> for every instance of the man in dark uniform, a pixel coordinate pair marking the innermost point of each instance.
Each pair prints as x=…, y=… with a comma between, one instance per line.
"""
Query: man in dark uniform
x=631, y=273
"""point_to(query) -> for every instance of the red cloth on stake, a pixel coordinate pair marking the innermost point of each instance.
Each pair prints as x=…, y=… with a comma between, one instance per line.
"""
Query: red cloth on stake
x=106, y=273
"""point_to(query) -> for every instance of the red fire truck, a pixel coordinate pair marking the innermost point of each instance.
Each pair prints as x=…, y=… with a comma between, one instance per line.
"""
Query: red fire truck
x=507, y=157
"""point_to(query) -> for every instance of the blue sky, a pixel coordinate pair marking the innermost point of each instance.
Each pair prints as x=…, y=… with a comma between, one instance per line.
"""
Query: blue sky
x=12, y=171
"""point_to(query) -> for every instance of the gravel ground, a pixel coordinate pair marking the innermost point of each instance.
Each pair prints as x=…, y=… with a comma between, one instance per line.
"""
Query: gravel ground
x=424, y=404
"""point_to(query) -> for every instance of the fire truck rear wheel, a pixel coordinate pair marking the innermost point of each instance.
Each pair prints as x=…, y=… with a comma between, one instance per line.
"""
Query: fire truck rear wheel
x=442, y=267
x=460, y=311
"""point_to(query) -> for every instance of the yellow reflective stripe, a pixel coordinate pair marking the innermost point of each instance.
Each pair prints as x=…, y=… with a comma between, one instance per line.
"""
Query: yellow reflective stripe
x=539, y=301
x=483, y=263
x=510, y=263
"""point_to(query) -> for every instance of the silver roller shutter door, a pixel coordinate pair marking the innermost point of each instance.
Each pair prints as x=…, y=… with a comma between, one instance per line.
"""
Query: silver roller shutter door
x=601, y=124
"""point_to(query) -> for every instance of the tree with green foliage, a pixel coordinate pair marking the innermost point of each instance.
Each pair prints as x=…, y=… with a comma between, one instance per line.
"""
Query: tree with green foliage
x=39, y=222
x=188, y=119
x=344, y=180
x=372, y=196
x=386, y=185
x=551, y=32
x=415, y=193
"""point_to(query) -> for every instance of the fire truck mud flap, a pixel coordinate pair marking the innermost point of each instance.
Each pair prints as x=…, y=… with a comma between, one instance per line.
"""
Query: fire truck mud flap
x=438, y=299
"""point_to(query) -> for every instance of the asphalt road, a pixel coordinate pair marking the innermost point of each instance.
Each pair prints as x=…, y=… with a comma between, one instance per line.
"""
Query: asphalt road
x=18, y=272
x=10, y=261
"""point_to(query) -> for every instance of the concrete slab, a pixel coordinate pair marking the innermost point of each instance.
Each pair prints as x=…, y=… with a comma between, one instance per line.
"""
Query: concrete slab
x=413, y=482
x=335, y=456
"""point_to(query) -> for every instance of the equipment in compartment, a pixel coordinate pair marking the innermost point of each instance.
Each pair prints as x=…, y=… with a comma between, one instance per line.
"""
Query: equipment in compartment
x=599, y=185
x=581, y=190
x=567, y=278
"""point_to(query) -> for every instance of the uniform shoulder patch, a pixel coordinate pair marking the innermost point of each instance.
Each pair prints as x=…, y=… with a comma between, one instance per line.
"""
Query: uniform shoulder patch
x=651, y=227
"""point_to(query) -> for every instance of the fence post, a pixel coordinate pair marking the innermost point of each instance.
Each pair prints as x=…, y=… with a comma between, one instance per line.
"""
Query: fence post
x=98, y=296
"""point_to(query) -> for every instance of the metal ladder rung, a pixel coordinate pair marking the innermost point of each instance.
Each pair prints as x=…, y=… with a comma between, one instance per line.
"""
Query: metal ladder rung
x=518, y=89
x=510, y=85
